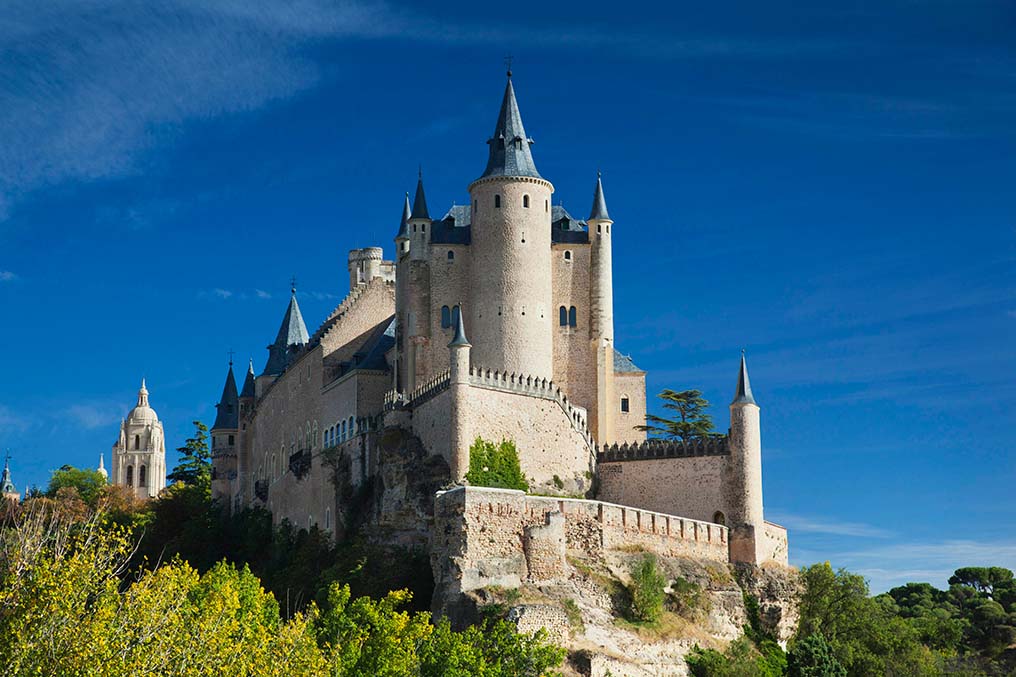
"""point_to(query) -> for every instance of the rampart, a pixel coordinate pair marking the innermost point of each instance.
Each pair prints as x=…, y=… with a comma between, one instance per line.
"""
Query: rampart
x=484, y=537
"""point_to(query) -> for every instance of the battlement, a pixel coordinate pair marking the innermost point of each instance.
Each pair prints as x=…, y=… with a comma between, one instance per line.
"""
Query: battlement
x=655, y=449
x=532, y=386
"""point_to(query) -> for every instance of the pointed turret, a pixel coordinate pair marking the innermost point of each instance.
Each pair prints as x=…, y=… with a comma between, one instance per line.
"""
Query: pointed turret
x=143, y=394
x=249, y=385
x=102, y=468
x=743, y=393
x=419, y=202
x=227, y=410
x=292, y=333
x=599, y=210
x=460, y=333
x=403, y=234
x=510, y=153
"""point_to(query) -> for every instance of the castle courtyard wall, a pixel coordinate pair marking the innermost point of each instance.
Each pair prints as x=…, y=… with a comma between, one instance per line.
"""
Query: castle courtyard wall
x=676, y=486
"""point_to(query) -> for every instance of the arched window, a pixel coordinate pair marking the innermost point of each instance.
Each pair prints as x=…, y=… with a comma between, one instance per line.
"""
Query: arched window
x=719, y=518
x=625, y=405
x=142, y=476
x=572, y=317
x=608, y=230
x=455, y=316
x=451, y=255
x=414, y=227
x=232, y=440
x=567, y=255
x=342, y=435
x=272, y=470
x=497, y=202
x=350, y=427
x=446, y=317
x=525, y=201
x=328, y=518
x=423, y=228
x=564, y=316
x=130, y=476
x=599, y=228
x=137, y=441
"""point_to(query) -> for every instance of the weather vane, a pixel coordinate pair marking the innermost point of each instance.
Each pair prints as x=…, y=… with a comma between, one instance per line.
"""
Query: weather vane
x=508, y=64
x=231, y=353
x=292, y=284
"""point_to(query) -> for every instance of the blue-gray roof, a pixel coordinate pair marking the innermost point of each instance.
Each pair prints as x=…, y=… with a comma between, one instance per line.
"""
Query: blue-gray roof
x=599, y=210
x=453, y=228
x=227, y=411
x=403, y=227
x=292, y=332
x=623, y=363
x=743, y=393
x=249, y=389
x=419, y=201
x=371, y=354
x=509, y=146
x=566, y=229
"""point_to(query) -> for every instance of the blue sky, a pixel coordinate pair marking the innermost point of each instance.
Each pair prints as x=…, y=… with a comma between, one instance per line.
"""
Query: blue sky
x=830, y=187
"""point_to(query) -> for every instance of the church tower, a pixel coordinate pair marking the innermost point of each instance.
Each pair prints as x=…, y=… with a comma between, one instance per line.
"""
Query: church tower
x=510, y=312
x=7, y=489
x=224, y=433
x=139, y=455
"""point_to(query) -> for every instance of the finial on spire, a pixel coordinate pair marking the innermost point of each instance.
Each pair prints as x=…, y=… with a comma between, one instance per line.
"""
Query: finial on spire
x=508, y=64
x=292, y=284
x=599, y=210
x=743, y=393
x=230, y=353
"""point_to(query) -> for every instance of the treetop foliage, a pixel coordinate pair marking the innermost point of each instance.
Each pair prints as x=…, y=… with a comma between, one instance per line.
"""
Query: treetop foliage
x=691, y=420
x=495, y=465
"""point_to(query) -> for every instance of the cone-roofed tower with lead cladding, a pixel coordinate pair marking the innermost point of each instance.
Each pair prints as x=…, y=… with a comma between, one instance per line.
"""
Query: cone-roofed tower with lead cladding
x=224, y=433
x=511, y=285
x=601, y=314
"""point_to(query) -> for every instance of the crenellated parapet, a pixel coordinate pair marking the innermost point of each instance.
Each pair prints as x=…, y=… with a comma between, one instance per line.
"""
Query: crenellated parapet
x=718, y=445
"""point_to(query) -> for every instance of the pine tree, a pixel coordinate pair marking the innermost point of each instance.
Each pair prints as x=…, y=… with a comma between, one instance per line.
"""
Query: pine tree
x=195, y=466
x=692, y=421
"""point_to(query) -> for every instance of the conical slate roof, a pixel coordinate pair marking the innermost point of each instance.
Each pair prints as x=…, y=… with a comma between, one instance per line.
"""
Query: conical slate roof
x=510, y=154
x=599, y=210
x=743, y=394
x=292, y=332
x=228, y=408
x=460, y=332
x=420, y=202
x=248, y=383
x=404, y=225
x=6, y=485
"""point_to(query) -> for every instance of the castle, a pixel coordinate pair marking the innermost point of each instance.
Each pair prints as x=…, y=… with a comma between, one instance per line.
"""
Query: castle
x=496, y=321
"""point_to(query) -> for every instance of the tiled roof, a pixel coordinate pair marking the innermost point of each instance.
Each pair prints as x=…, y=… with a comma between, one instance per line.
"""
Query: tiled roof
x=227, y=414
x=509, y=146
x=623, y=364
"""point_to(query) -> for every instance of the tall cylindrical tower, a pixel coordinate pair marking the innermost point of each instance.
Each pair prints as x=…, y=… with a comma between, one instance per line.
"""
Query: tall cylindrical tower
x=744, y=485
x=511, y=288
x=601, y=318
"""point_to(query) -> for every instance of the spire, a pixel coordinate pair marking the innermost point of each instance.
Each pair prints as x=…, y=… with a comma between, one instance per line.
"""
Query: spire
x=143, y=394
x=249, y=383
x=510, y=154
x=292, y=332
x=403, y=226
x=102, y=468
x=226, y=417
x=420, y=201
x=599, y=210
x=743, y=394
x=6, y=485
x=460, y=332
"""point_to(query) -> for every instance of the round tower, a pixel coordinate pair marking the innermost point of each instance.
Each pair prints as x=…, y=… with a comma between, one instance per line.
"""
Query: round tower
x=401, y=297
x=744, y=479
x=460, y=439
x=601, y=316
x=364, y=265
x=417, y=317
x=510, y=313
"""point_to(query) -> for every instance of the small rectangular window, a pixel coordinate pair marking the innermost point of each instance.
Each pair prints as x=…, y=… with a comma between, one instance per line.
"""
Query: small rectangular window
x=625, y=407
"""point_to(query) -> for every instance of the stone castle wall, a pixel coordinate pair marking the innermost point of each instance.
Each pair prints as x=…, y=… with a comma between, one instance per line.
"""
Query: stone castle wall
x=484, y=537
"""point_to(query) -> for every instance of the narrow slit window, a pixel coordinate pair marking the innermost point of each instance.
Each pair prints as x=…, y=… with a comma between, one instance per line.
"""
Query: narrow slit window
x=563, y=320
x=525, y=201
x=567, y=255
x=497, y=202
x=625, y=405
x=142, y=476
x=451, y=255
x=572, y=317
x=455, y=316
x=446, y=317
x=130, y=476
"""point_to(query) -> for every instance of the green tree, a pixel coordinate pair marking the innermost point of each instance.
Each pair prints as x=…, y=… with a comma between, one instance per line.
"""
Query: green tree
x=691, y=419
x=983, y=579
x=647, y=584
x=89, y=484
x=813, y=657
x=195, y=466
x=495, y=465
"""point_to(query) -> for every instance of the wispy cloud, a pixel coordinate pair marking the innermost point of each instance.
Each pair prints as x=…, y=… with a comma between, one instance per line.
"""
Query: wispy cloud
x=10, y=421
x=799, y=523
x=95, y=414
x=7, y=276
x=262, y=294
x=85, y=99
x=221, y=294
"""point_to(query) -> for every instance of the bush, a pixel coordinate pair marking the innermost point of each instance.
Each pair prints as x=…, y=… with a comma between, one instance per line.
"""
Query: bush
x=813, y=657
x=647, y=583
x=495, y=465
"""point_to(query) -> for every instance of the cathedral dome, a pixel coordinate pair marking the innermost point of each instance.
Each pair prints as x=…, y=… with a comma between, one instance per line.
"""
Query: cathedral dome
x=142, y=414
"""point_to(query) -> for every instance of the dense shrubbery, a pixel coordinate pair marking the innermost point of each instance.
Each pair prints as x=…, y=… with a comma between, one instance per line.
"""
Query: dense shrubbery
x=647, y=584
x=69, y=605
x=912, y=630
x=495, y=465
